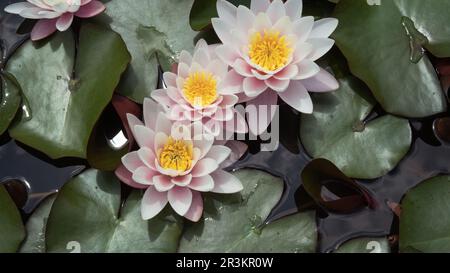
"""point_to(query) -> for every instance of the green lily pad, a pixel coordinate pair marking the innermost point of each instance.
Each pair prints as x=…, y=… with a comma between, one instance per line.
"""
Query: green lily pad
x=10, y=100
x=424, y=220
x=337, y=131
x=236, y=223
x=64, y=105
x=365, y=245
x=395, y=68
x=203, y=10
x=12, y=231
x=87, y=214
x=154, y=31
x=36, y=224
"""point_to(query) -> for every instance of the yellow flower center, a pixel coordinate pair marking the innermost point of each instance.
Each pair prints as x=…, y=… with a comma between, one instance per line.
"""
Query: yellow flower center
x=176, y=155
x=200, y=89
x=269, y=50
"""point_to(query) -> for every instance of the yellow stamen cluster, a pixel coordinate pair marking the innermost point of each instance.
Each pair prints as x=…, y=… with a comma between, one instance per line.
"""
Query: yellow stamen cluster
x=176, y=155
x=200, y=89
x=269, y=50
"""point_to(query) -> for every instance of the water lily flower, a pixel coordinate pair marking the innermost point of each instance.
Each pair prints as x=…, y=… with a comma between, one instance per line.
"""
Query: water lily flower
x=272, y=51
x=54, y=14
x=174, y=164
x=201, y=89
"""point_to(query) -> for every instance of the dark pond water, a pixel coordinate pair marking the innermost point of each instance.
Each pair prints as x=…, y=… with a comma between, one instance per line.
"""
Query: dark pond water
x=30, y=175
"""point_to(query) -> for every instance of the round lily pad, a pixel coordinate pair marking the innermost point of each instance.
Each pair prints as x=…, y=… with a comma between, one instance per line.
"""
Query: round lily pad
x=10, y=100
x=66, y=93
x=237, y=223
x=384, y=45
x=338, y=131
x=87, y=216
x=425, y=221
x=155, y=33
x=12, y=231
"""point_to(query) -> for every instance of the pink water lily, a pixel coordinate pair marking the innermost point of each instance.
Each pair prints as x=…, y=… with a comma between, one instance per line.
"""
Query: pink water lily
x=174, y=164
x=202, y=90
x=272, y=51
x=54, y=14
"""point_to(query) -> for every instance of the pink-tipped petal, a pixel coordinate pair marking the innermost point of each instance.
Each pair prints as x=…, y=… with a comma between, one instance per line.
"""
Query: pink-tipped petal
x=323, y=28
x=307, y=69
x=254, y=87
x=261, y=112
x=153, y=203
x=231, y=84
x=276, y=10
x=219, y=153
x=238, y=149
x=204, y=167
x=225, y=182
x=203, y=142
x=151, y=111
x=84, y=2
x=180, y=198
x=297, y=97
x=162, y=183
x=202, y=184
x=182, y=181
x=322, y=82
x=163, y=124
x=91, y=9
x=144, y=176
x=125, y=176
x=132, y=122
x=243, y=68
x=287, y=73
x=294, y=8
x=227, y=54
x=196, y=210
x=43, y=28
x=161, y=97
x=170, y=79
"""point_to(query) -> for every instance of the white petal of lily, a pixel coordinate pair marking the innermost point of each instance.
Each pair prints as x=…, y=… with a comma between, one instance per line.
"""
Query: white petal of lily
x=307, y=69
x=228, y=101
x=131, y=161
x=163, y=124
x=261, y=76
x=180, y=198
x=145, y=137
x=202, y=184
x=297, y=97
x=61, y=7
x=218, y=68
x=258, y=6
x=322, y=82
x=321, y=46
x=302, y=28
x=185, y=57
x=160, y=139
x=180, y=132
x=161, y=97
x=225, y=182
x=222, y=29
x=170, y=79
x=201, y=56
x=35, y=13
x=243, y=68
x=40, y=4
x=151, y=110
x=183, y=71
x=226, y=11
x=283, y=25
x=125, y=176
x=227, y=54
x=219, y=153
x=323, y=28
x=287, y=73
x=17, y=8
x=277, y=85
x=173, y=92
x=245, y=18
x=147, y=156
x=231, y=84
x=302, y=50
x=261, y=23
x=259, y=121
x=162, y=183
x=182, y=181
x=144, y=175
x=276, y=11
x=294, y=8
x=254, y=87
x=152, y=203
x=203, y=142
x=196, y=210
x=204, y=167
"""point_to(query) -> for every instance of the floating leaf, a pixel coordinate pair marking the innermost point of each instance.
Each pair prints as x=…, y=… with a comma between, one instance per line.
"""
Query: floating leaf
x=36, y=224
x=365, y=245
x=12, y=231
x=236, y=223
x=400, y=77
x=425, y=219
x=87, y=213
x=10, y=100
x=154, y=31
x=338, y=131
x=66, y=96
